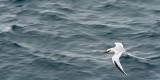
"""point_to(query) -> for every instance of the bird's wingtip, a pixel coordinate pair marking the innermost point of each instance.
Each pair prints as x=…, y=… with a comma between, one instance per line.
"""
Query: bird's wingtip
x=117, y=42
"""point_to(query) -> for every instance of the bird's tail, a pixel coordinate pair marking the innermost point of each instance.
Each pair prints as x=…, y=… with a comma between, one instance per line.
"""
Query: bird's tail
x=134, y=56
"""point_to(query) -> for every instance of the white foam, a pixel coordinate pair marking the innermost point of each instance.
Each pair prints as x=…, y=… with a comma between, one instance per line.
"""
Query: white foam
x=5, y=28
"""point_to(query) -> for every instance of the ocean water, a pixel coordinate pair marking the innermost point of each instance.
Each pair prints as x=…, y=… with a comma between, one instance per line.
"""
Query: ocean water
x=65, y=39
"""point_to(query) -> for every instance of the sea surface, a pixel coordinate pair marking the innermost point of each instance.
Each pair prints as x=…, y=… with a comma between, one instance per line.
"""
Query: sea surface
x=65, y=39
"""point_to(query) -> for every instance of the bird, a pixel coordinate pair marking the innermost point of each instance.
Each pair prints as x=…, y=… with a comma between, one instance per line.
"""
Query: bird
x=118, y=50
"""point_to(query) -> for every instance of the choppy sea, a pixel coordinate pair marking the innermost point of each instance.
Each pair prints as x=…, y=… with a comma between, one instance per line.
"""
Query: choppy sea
x=65, y=39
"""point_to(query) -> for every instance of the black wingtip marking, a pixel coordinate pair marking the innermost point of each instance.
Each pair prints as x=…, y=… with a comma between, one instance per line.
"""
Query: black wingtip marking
x=118, y=67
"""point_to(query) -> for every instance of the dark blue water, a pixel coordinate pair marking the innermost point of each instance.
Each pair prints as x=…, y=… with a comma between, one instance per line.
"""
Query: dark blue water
x=65, y=39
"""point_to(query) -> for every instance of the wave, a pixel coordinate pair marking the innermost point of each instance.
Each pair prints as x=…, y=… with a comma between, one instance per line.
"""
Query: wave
x=53, y=16
x=5, y=29
x=9, y=44
x=154, y=57
x=143, y=1
x=28, y=13
x=66, y=10
x=51, y=64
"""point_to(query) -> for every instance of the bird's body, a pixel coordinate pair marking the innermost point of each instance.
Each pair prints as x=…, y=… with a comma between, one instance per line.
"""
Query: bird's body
x=118, y=51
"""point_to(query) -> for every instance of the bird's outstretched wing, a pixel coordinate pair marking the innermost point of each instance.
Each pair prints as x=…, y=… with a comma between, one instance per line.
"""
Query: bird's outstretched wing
x=118, y=44
x=117, y=63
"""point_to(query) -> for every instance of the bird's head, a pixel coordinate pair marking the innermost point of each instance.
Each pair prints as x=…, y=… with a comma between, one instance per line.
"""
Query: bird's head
x=109, y=51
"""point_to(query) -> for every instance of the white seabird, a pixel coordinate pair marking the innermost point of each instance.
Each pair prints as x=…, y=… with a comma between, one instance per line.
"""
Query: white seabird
x=118, y=50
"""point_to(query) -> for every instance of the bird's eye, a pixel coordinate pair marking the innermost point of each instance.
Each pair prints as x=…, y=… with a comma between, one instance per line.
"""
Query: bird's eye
x=108, y=50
